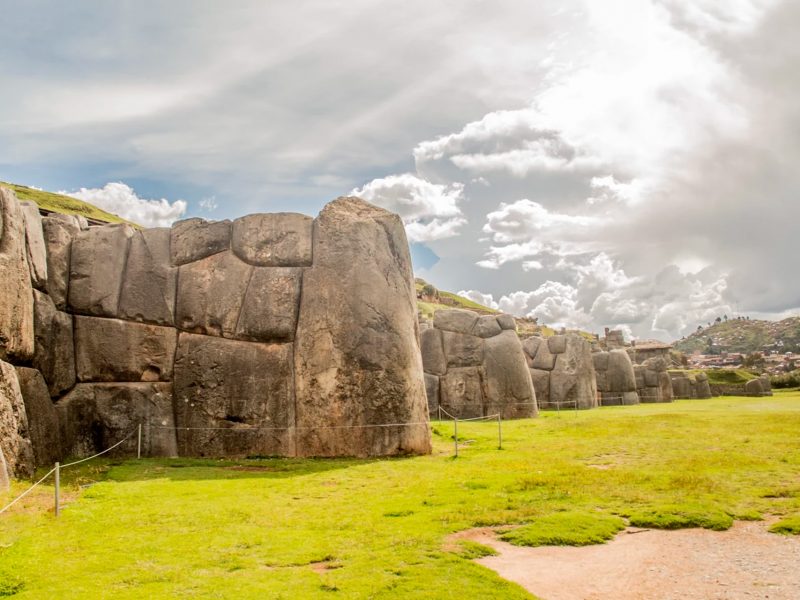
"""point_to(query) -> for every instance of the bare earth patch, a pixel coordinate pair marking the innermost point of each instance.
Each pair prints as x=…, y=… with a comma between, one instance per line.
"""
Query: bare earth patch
x=744, y=562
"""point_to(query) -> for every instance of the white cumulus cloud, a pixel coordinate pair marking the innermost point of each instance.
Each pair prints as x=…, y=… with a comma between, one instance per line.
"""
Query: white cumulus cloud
x=121, y=199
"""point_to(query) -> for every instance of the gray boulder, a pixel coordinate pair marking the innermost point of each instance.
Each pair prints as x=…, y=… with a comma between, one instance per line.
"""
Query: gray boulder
x=273, y=240
x=456, y=320
x=211, y=293
x=15, y=443
x=462, y=349
x=114, y=350
x=97, y=268
x=541, y=385
x=34, y=241
x=432, y=393
x=461, y=392
x=54, y=354
x=754, y=388
x=95, y=416
x=236, y=398
x=195, y=239
x=357, y=358
x=557, y=344
x=544, y=359
x=58, y=236
x=486, y=326
x=508, y=385
x=271, y=304
x=572, y=381
x=619, y=373
x=506, y=322
x=433, y=359
x=43, y=427
x=16, y=292
x=682, y=386
x=150, y=282
x=702, y=387
x=766, y=385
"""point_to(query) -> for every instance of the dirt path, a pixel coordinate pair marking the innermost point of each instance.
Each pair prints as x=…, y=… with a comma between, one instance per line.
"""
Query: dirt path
x=743, y=562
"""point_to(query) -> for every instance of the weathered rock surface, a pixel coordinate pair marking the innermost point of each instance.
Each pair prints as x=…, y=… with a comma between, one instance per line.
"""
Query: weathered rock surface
x=509, y=389
x=572, y=380
x=211, y=292
x=702, y=387
x=97, y=269
x=754, y=388
x=653, y=381
x=357, y=359
x=482, y=373
x=616, y=381
x=238, y=395
x=95, y=416
x=461, y=392
x=195, y=239
x=271, y=305
x=462, y=349
x=273, y=240
x=766, y=385
x=58, y=236
x=34, y=241
x=54, y=354
x=150, y=284
x=16, y=292
x=43, y=427
x=456, y=320
x=682, y=386
x=15, y=443
x=506, y=322
x=432, y=392
x=567, y=360
x=432, y=348
x=114, y=350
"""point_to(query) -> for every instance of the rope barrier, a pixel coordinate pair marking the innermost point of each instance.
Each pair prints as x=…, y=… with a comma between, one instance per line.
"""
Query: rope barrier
x=26, y=492
x=77, y=462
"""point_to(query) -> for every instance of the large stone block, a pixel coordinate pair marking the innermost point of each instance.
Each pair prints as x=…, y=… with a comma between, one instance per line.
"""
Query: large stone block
x=34, y=241
x=433, y=359
x=114, y=350
x=508, y=387
x=54, y=354
x=619, y=374
x=541, y=384
x=149, y=287
x=58, y=236
x=600, y=360
x=95, y=416
x=455, y=319
x=461, y=392
x=357, y=360
x=271, y=303
x=195, y=239
x=754, y=387
x=573, y=379
x=432, y=392
x=16, y=292
x=486, y=326
x=462, y=349
x=15, y=443
x=42, y=417
x=544, y=359
x=211, y=293
x=236, y=398
x=273, y=240
x=507, y=322
x=97, y=269
x=557, y=344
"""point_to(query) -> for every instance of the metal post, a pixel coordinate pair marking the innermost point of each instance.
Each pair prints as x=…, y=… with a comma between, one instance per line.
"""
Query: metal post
x=139, y=443
x=58, y=488
x=439, y=408
x=499, y=432
x=455, y=433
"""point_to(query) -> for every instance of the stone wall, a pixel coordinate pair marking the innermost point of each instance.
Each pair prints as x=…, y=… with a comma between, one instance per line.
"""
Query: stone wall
x=562, y=371
x=474, y=366
x=685, y=386
x=653, y=382
x=616, y=381
x=274, y=334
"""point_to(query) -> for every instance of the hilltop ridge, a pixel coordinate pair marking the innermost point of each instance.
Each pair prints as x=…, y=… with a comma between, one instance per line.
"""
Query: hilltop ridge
x=744, y=336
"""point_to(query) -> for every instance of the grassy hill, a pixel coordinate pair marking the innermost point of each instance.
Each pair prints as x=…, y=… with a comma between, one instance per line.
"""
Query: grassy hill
x=744, y=336
x=63, y=204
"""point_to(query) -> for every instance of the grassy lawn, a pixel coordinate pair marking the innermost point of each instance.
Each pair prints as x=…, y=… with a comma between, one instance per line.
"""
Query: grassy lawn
x=279, y=528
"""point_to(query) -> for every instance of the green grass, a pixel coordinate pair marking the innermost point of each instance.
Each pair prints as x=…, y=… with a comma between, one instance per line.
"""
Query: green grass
x=472, y=550
x=722, y=376
x=299, y=528
x=62, y=204
x=788, y=526
x=566, y=529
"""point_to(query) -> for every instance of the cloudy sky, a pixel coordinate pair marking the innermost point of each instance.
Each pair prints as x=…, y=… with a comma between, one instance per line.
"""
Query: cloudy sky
x=624, y=163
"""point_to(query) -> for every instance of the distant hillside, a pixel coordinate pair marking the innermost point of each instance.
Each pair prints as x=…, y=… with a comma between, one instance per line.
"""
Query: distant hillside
x=743, y=336
x=63, y=204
